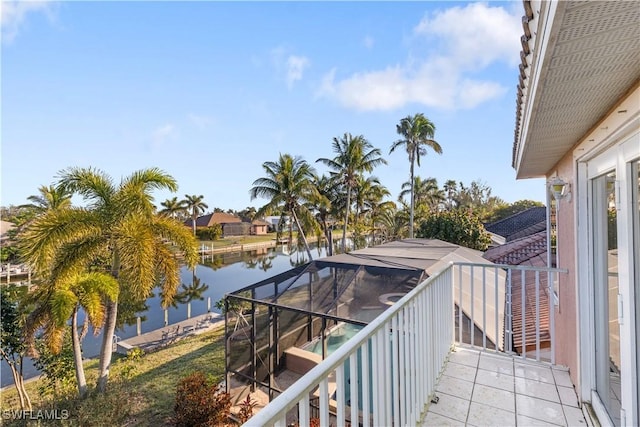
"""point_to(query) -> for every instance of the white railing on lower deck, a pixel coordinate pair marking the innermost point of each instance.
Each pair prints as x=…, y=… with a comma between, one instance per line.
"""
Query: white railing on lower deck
x=413, y=337
x=491, y=295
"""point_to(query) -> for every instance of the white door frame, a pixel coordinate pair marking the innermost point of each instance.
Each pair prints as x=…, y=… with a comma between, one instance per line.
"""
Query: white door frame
x=618, y=159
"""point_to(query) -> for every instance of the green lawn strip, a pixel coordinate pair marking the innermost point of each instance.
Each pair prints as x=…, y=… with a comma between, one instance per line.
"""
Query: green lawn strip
x=140, y=392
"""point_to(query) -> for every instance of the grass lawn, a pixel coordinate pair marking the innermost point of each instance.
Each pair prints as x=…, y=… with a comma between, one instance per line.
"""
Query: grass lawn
x=239, y=240
x=140, y=392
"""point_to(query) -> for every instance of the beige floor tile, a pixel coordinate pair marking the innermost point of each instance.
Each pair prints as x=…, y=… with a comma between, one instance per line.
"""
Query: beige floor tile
x=457, y=370
x=568, y=396
x=495, y=379
x=495, y=397
x=540, y=409
x=537, y=389
x=451, y=406
x=435, y=420
x=574, y=416
x=524, y=421
x=533, y=372
x=485, y=415
x=501, y=364
x=455, y=386
x=562, y=377
x=465, y=357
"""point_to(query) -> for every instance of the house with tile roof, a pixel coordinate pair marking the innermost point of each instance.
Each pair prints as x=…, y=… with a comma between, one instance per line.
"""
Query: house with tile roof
x=529, y=251
x=521, y=224
x=231, y=224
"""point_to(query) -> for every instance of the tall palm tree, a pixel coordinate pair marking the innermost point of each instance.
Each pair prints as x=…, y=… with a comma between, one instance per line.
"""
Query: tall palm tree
x=195, y=206
x=118, y=232
x=56, y=304
x=173, y=207
x=354, y=155
x=418, y=133
x=287, y=185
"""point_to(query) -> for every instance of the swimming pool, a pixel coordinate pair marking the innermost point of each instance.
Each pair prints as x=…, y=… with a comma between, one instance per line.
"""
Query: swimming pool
x=335, y=338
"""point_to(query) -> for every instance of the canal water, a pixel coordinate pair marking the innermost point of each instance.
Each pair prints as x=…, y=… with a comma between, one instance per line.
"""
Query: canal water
x=214, y=277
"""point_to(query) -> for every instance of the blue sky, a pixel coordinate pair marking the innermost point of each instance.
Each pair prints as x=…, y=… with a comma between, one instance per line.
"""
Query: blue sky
x=208, y=91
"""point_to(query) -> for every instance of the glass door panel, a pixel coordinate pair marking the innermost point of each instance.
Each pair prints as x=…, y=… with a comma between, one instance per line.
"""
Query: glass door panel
x=607, y=328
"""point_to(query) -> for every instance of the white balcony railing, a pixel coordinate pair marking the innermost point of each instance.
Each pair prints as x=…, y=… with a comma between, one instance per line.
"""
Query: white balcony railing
x=414, y=337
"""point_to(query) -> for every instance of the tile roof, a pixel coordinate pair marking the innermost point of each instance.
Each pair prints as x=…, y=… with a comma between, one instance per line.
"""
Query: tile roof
x=214, y=218
x=531, y=251
x=517, y=225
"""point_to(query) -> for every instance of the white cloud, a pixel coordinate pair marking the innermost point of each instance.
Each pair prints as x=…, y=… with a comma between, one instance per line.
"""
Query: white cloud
x=290, y=66
x=163, y=134
x=462, y=42
x=476, y=34
x=295, y=68
x=368, y=42
x=13, y=15
x=201, y=122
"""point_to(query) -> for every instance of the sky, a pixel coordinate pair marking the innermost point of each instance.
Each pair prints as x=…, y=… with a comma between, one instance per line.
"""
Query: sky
x=209, y=91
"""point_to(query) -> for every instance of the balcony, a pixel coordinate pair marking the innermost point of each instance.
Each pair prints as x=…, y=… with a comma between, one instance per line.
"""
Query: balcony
x=473, y=344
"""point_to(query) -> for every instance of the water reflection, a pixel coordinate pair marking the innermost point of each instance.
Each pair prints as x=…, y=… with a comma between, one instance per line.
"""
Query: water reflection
x=201, y=288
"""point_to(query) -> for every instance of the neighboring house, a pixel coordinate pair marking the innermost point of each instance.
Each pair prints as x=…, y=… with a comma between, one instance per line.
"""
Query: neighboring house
x=231, y=224
x=274, y=222
x=259, y=227
x=578, y=126
x=521, y=224
x=532, y=251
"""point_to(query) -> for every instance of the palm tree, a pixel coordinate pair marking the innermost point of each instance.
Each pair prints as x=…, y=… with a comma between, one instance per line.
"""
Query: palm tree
x=195, y=206
x=50, y=197
x=118, y=232
x=322, y=202
x=451, y=190
x=417, y=132
x=425, y=192
x=56, y=304
x=287, y=184
x=173, y=207
x=354, y=155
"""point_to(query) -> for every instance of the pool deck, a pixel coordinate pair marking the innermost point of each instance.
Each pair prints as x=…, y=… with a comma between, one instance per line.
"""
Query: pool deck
x=169, y=334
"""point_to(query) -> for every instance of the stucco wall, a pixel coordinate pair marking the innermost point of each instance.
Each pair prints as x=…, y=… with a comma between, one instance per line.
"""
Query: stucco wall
x=567, y=312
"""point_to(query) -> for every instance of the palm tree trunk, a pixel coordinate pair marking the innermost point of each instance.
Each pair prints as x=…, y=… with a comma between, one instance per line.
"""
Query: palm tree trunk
x=77, y=355
x=304, y=238
x=346, y=219
x=107, y=345
x=328, y=236
x=412, y=201
x=194, y=216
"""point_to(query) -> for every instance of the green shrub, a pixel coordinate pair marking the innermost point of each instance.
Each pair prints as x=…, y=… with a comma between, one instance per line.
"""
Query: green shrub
x=200, y=402
x=213, y=232
x=458, y=227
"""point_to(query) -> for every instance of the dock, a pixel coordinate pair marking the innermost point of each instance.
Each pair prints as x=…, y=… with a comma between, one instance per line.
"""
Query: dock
x=158, y=338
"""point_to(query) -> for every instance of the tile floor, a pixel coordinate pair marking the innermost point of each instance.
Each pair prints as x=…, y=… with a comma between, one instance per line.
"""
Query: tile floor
x=484, y=389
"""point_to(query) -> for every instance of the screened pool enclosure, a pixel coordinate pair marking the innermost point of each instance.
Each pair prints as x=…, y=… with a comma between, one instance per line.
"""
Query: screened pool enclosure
x=295, y=319
x=280, y=328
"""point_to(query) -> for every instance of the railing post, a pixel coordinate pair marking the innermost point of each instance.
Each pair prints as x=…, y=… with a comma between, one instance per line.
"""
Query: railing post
x=509, y=325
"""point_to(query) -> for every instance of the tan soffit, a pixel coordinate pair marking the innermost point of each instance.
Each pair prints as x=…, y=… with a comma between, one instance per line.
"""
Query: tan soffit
x=591, y=60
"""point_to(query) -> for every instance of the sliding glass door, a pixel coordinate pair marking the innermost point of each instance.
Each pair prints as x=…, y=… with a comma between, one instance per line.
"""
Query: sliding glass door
x=607, y=328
